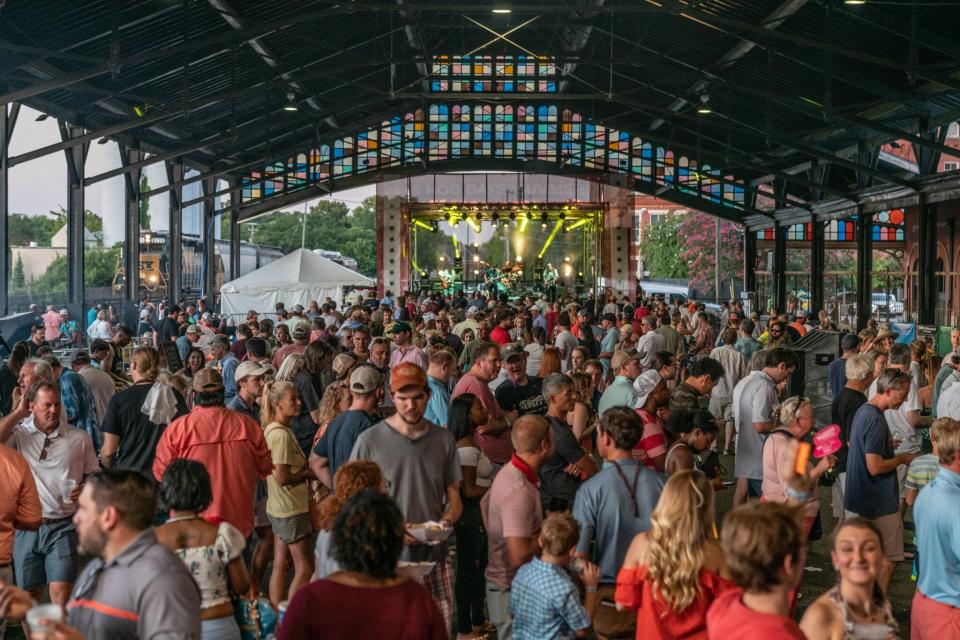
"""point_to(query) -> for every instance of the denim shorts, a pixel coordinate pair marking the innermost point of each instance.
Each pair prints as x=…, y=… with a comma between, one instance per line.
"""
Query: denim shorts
x=46, y=555
x=292, y=528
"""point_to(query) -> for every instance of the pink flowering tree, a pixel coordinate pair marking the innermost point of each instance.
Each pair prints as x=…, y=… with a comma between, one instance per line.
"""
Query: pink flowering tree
x=697, y=239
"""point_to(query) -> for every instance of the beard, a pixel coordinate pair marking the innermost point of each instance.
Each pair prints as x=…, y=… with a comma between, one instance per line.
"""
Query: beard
x=92, y=541
x=413, y=416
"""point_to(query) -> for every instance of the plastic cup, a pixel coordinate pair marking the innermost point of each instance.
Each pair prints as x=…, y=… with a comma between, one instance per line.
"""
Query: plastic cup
x=66, y=488
x=48, y=611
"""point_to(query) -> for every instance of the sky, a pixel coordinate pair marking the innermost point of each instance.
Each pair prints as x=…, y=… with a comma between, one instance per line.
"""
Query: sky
x=40, y=185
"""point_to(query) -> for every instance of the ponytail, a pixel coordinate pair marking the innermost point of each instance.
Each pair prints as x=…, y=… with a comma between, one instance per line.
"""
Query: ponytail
x=272, y=392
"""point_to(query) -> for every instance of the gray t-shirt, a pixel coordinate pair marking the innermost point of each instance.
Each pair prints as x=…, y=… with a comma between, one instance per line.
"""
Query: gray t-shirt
x=754, y=400
x=417, y=473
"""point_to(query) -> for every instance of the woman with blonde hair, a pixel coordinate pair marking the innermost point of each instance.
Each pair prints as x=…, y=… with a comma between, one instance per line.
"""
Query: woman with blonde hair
x=794, y=421
x=288, y=507
x=549, y=362
x=673, y=572
x=351, y=478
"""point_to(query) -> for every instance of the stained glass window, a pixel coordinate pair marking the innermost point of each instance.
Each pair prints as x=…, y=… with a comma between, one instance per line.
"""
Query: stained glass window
x=493, y=74
x=483, y=131
x=504, y=131
x=460, y=131
x=439, y=131
x=547, y=132
x=888, y=226
x=442, y=131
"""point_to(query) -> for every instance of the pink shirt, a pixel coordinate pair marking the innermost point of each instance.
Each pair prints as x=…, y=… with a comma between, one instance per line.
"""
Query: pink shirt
x=774, y=488
x=498, y=448
x=653, y=441
x=410, y=353
x=51, y=326
x=510, y=509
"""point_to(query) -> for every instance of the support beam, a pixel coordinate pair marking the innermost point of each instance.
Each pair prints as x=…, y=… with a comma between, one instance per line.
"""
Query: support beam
x=131, y=263
x=750, y=261
x=817, y=264
x=175, y=171
x=8, y=119
x=76, y=157
x=780, y=267
x=209, y=244
x=864, y=233
x=927, y=260
x=234, y=231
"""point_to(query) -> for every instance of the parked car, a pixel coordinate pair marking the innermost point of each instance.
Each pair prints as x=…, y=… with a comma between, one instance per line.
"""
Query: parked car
x=886, y=304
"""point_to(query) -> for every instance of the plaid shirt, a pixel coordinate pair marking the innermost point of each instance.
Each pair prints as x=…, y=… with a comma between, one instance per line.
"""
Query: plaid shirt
x=545, y=604
x=80, y=406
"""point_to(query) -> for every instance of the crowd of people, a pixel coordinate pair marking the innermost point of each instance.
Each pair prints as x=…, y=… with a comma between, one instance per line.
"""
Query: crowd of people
x=470, y=467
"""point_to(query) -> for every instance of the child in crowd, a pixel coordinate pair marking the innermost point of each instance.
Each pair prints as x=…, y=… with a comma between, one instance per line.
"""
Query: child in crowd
x=544, y=599
x=765, y=552
x=923, y=468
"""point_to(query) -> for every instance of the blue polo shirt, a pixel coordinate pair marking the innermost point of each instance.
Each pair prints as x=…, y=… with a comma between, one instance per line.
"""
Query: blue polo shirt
x=438, y=407
x=605, y=511
x=619, y=393
x=938, y=538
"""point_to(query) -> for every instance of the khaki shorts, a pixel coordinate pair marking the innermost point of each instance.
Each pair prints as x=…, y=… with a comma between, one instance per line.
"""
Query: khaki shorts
x=891, y=532
x=295, y=528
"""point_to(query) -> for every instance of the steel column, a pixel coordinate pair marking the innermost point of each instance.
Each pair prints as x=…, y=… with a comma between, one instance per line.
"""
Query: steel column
x=780, y=267
x=864, y=233
x=175, y=171
x=234, y=231
x=131, y=263
x=209, y=244
x=76, y=158
x=749, y=260
x=7, y=121
x=817, y=264
x=927, y=261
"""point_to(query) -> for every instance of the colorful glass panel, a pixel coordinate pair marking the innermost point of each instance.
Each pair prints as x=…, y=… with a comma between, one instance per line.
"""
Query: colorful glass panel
x=483, y=131
x=504, y=129
x=439, y=132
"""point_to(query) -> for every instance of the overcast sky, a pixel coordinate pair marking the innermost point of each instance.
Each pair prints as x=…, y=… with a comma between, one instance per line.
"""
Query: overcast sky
x=40, y=185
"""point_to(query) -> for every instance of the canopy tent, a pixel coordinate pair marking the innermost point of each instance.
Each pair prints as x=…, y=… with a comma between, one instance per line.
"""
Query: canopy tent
x=296, y=278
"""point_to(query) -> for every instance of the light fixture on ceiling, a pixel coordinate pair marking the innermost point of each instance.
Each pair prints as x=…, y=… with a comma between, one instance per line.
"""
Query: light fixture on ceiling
x=854, y=2
x=704, y=107
x=42, y=117
x=291, y=103
x=501, y=8
x=103, y=141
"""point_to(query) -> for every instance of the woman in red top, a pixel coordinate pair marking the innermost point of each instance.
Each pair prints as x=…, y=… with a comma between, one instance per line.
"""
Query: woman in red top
x=366, y=599
x=673, y=572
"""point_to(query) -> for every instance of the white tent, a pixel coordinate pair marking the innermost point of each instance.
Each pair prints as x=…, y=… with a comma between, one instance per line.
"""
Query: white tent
x=296, y=278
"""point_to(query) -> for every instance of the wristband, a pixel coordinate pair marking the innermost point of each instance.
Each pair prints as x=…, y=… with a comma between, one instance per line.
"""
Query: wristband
x=799, y=496
x=591, y=589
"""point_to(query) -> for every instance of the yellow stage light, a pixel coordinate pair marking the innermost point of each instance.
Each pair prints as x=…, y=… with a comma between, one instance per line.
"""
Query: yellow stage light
x=553, y=234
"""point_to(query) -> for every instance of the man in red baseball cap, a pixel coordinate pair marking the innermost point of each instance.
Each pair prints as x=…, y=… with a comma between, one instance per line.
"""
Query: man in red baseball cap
x=421, y=467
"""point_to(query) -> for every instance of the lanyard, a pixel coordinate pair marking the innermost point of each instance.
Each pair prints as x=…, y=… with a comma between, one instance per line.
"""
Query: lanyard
x=631, y=490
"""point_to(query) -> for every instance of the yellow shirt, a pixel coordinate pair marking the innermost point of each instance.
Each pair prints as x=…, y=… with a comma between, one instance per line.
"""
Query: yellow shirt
x=291, y=500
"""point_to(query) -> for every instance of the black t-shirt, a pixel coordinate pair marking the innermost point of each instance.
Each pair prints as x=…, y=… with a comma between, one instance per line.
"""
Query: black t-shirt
x=8, y=382
x=842, y=410
x=169, y=329
x=557, y=488
x=526, y=399
x=138, y=436
x=303, y=426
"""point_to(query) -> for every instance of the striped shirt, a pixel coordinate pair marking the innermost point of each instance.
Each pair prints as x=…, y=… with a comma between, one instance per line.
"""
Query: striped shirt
x=922, y=470
x=145, y=592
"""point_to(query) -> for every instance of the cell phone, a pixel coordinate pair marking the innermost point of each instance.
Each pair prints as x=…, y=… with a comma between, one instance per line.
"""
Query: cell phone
x=803, y=456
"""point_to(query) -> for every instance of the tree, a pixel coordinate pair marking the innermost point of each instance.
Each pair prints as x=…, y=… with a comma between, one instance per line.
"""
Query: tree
x=144, y=204
x=698, y=238
x=661, y=249
x=17, y=279
x=330, y=225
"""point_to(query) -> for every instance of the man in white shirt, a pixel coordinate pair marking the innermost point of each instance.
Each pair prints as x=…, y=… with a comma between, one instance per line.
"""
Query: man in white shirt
x=58, y=455
x=565, y=342
x=721, y=398
x=650, y=342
